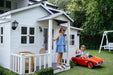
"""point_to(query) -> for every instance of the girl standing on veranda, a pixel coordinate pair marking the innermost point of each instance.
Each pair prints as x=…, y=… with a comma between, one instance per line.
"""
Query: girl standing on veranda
x=60, y=47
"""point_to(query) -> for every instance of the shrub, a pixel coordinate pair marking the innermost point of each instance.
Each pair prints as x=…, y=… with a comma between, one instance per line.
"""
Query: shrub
x=46, y=71
x=71, y=64
x=4, y=71
x=33, y=74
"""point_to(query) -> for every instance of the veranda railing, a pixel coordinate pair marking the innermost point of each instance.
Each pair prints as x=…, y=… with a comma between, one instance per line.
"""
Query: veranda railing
x=18, y=62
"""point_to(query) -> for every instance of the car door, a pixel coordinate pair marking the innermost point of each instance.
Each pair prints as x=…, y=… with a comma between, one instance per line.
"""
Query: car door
x=82, y=61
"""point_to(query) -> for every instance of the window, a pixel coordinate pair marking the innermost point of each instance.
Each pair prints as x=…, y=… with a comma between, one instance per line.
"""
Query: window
x=31, y=36
x=1, y=35
x=1, y=3
x=8, y=4
x=72, y=40
x=27, y=35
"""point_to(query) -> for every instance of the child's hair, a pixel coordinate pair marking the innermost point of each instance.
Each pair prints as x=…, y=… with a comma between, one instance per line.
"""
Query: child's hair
x=62, y=28
x=83, y=46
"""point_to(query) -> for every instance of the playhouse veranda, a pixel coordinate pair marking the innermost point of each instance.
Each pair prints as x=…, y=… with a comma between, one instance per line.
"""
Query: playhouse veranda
x=18, y=63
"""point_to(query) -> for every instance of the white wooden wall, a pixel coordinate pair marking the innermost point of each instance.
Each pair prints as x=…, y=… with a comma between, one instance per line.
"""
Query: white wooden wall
x=5, y=47
x=28, y=18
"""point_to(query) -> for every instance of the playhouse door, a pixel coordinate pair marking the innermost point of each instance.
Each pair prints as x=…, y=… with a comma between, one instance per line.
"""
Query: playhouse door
x=46, y=38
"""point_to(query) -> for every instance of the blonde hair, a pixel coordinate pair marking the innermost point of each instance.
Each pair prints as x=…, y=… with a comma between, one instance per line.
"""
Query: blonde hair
x=83, y=46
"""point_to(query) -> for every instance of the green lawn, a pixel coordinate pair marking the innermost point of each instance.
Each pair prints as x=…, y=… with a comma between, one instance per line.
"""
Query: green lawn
x=105, y=69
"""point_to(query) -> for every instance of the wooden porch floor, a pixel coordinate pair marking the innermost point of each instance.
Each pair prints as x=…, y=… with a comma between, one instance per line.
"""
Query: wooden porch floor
x=54, y=65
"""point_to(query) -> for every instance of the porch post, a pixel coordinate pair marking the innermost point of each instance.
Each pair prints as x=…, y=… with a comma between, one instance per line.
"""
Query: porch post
x=68, y=44
x=22, y=64
x=50, y=43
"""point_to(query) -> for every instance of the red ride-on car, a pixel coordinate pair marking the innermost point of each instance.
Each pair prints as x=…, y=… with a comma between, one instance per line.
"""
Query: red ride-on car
x=90, y=62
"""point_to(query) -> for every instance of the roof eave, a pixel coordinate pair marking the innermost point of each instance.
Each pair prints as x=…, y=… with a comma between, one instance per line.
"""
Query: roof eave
x=25, y=8
x=5, y=14
x=76, y=28
x=68, y=17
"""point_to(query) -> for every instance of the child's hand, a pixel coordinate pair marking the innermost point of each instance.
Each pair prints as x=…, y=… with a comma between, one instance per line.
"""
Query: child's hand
x=77, y=49
x=67, y=41
x=53, y=39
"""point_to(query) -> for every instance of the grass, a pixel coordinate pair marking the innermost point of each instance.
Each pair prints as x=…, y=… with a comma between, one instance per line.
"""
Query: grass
x=105, y=69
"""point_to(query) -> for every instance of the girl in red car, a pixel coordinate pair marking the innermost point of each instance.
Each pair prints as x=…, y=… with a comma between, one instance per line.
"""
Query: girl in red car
x=81, y=53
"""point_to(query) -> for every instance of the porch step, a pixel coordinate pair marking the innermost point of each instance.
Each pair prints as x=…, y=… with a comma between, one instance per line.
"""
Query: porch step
x=58, y=70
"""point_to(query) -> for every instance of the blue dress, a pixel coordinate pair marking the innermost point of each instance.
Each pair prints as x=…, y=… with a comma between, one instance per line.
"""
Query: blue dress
x=61, y=45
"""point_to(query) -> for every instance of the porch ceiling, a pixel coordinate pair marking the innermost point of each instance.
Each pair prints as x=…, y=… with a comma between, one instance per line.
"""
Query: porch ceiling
x=60, y=21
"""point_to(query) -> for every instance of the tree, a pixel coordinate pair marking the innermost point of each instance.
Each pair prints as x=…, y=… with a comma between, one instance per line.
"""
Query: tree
x=77, y=9
x=61, y=3
x=96, y=17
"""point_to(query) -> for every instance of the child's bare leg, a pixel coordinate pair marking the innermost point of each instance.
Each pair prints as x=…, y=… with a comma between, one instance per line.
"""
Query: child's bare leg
x=61, y=61
x=61, y=58
x=58, y=58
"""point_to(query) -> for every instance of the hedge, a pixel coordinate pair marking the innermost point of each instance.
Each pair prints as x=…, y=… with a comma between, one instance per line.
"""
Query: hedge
x=4, y=71
x=46, y=71
x=33, y=74
x=91, y=45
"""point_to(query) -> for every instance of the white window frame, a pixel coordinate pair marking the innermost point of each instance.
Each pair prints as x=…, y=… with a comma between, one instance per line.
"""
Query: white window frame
x=1, y=35
x=28, y=35
x=72, y=39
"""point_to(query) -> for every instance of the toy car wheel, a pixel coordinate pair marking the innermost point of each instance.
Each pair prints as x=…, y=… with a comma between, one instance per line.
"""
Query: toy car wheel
x=75, y=62
x=90, y=65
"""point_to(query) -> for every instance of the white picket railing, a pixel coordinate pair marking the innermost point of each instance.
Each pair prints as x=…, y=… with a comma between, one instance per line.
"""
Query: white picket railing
x=19, y=62
x=54, y=58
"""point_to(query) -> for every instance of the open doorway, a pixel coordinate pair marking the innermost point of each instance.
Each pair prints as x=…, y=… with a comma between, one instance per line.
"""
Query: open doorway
x=46, y=38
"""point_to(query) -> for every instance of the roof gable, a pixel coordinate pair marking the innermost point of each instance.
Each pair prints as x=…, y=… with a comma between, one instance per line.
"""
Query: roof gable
x=54, y=16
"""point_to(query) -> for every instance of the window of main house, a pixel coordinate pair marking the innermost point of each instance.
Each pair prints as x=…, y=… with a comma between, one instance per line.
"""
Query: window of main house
x=1, y=3
x=1, y=35
x=72, y=39
x=27, y=35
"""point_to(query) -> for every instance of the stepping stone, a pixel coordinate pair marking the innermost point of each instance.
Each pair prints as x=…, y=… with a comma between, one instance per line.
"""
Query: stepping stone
x=111, y=62
x=105, y=58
